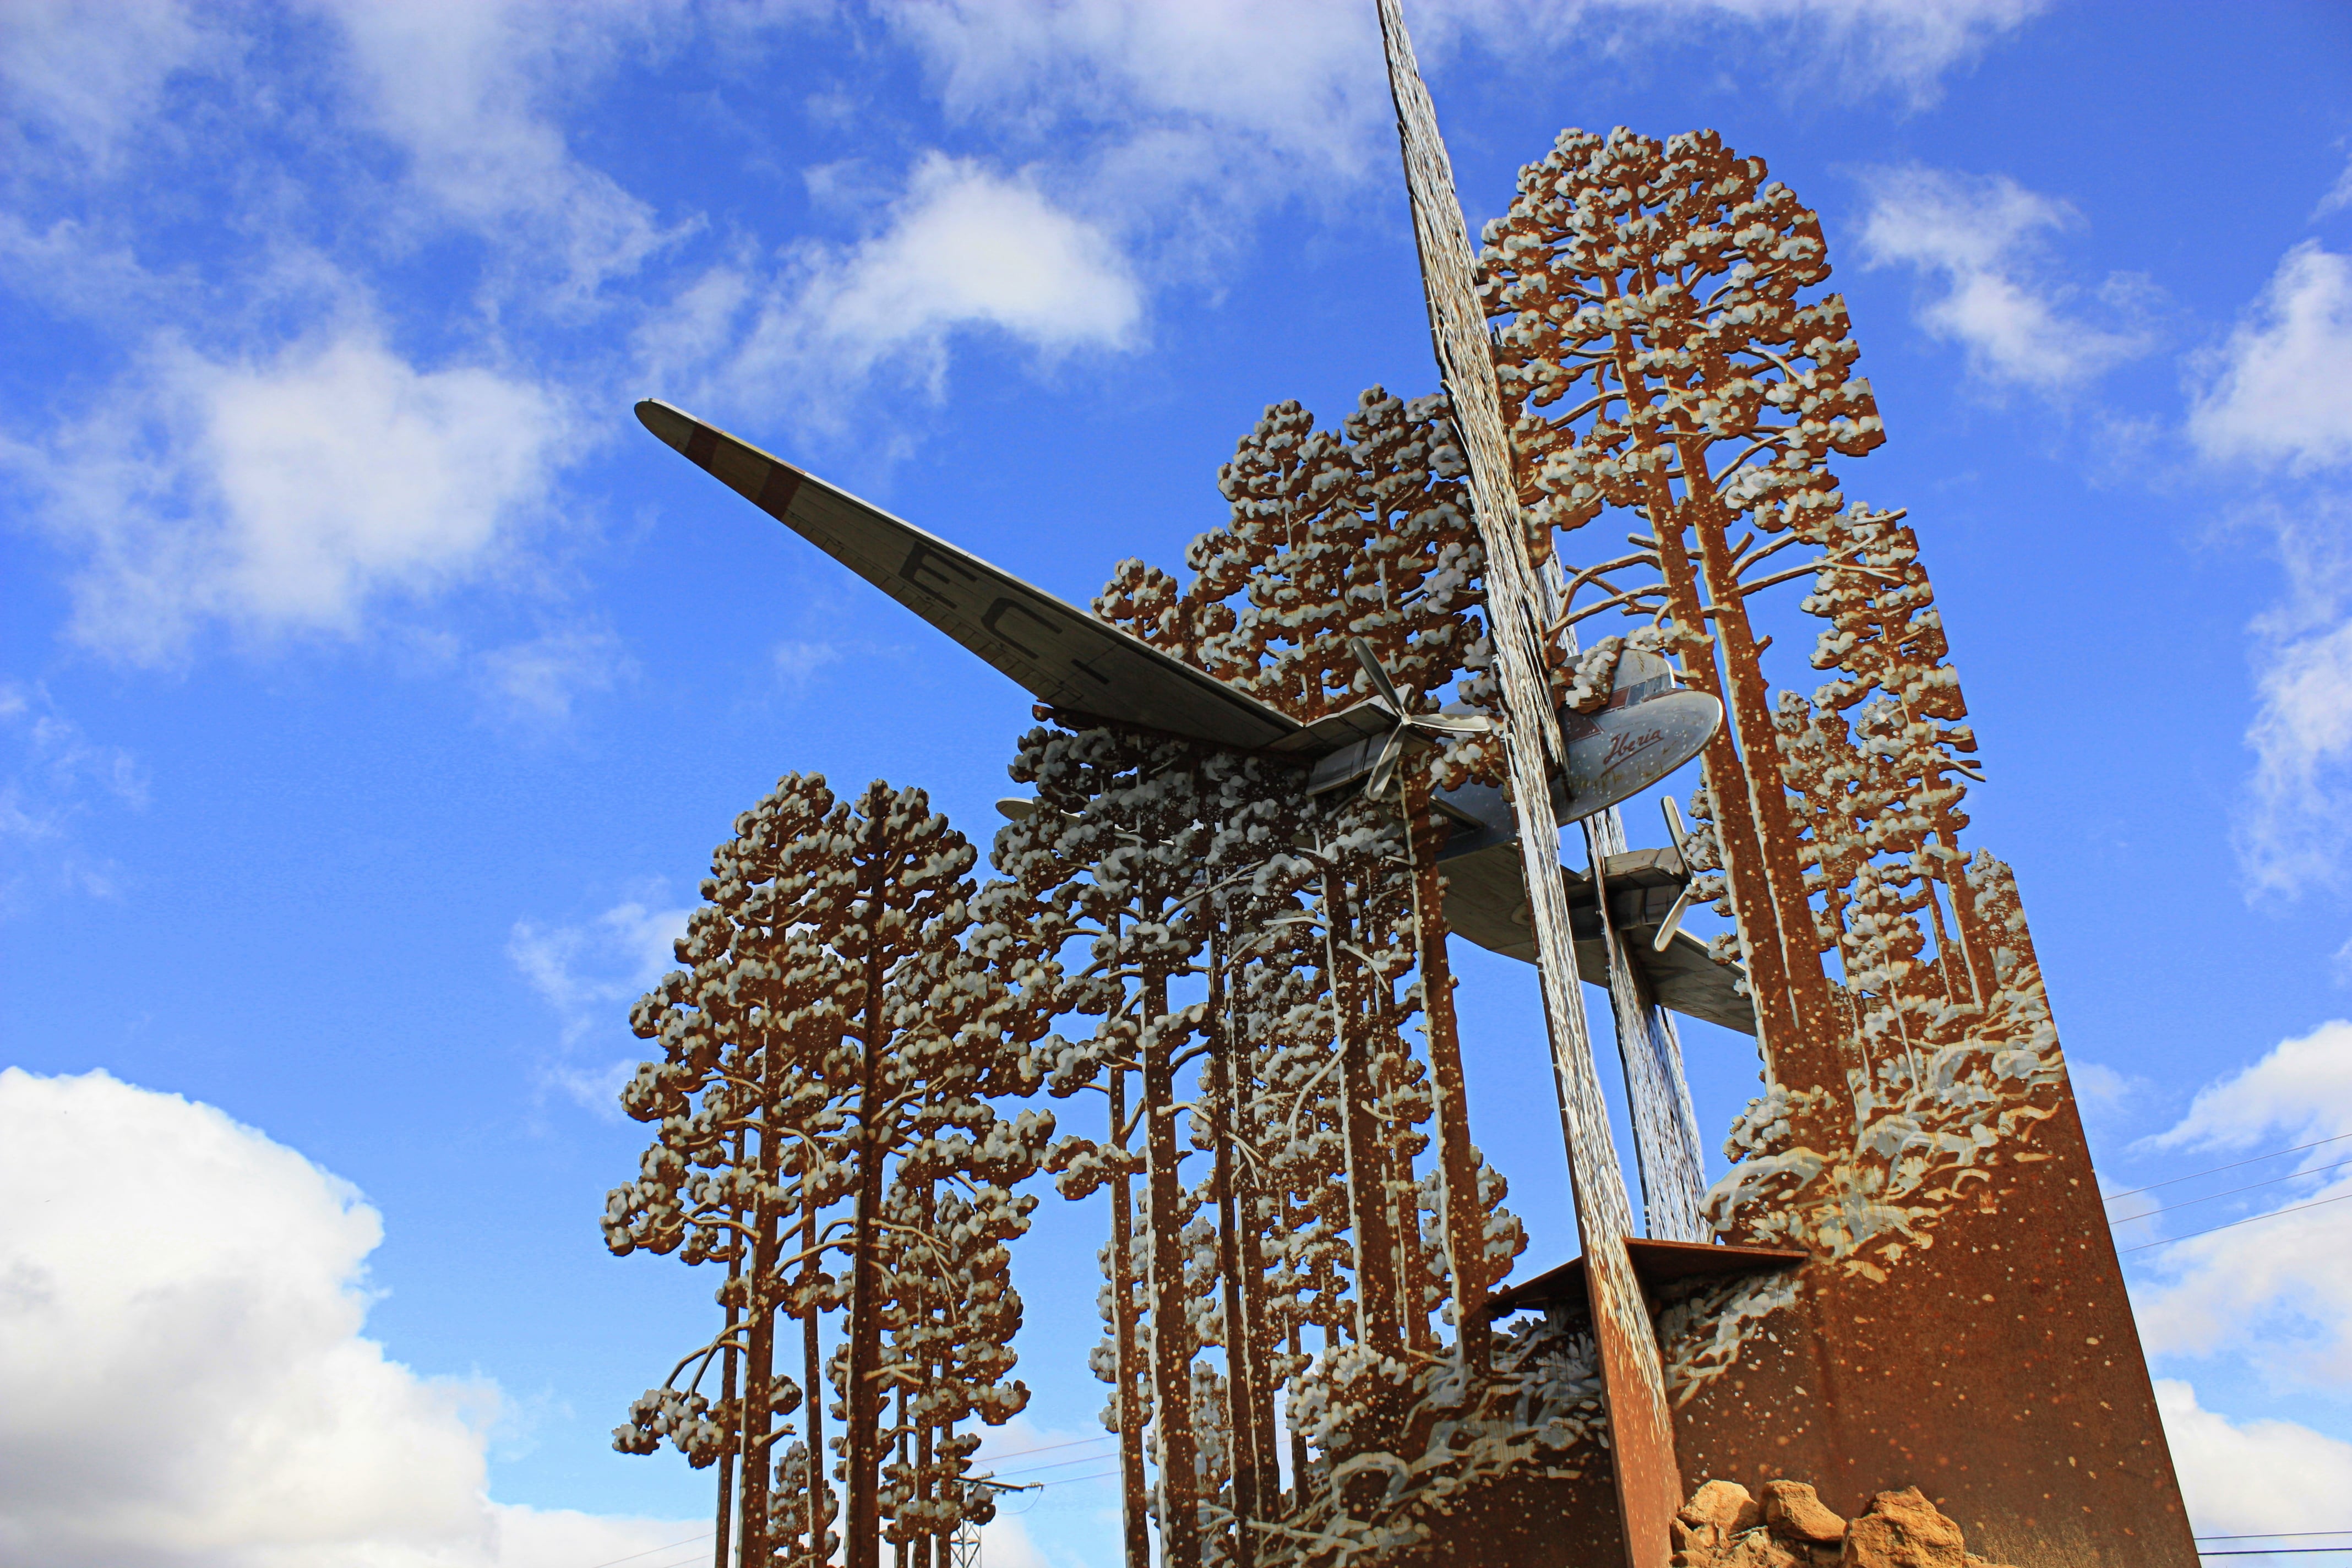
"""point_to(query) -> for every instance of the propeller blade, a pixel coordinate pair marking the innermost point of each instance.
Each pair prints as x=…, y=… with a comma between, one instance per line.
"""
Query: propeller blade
x=1384, y=765
x=1380, y=681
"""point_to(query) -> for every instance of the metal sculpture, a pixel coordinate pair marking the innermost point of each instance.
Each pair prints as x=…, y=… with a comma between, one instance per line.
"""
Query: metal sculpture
x=1262, y=798
x=1668, y=357
x=826, y=1131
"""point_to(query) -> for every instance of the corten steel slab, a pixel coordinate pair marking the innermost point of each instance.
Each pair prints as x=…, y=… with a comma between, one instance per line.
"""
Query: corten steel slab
x=1655, y=1263
x=1997, y=1370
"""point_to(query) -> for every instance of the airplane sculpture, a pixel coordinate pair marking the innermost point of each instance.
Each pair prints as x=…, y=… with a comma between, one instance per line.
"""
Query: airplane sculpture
x=1075, y=663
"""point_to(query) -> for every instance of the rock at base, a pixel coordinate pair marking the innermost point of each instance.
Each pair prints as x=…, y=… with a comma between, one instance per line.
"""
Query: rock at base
x=1795, y=1513
x=1725, y=1526
x=1903, y=1530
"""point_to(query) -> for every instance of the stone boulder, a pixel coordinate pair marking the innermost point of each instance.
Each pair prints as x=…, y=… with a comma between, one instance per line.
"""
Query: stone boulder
x=1794, y=1512
x=1725, y=1526
x=1717, y=1514
x=1903, y=1529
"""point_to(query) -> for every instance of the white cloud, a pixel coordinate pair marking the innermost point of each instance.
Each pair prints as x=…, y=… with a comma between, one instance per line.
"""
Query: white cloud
x=2289, y=835
x=465, y=89
x=2302, y=733
x=2262, y=1475
x=963, y=250
x=2277, y=393
x=538, y=679
x=1255, y=99
x=798, y=662
x=588, y=975
x=93, y=76
x=289, y=494
x=53, y=778
x=2279, y=1290
x=183, y=1378
x=966, y=247
x=2302, y=1089
x=2338, y=196
x=1981, y=239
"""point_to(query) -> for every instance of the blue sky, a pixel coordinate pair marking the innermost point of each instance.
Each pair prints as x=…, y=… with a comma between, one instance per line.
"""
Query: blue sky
x=373, y=688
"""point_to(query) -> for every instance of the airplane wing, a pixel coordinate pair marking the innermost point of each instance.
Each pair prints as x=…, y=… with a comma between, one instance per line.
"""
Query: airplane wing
x=1052, y=650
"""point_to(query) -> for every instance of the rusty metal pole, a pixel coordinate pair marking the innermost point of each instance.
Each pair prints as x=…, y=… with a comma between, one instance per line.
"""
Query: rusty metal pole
x=1642, y=1446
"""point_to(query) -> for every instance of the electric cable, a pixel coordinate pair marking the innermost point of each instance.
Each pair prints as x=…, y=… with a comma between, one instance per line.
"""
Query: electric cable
x=2134, y=1191
x=2249, y=1220
x=2232, y=1192
x=649, y=1550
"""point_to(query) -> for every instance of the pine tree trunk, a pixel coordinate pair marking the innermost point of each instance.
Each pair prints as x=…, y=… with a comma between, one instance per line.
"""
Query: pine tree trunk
x=1134, y=1524
x=1749, y=711
x=1457, y=1159
x=1253, y=1215
x=1170, y=1331
x=1754, y=912
x=1377, y=1321
x=813, y=1362
x=1241, y=1375
x=723, y=1531
x=861, y=1523
x=759, y=1383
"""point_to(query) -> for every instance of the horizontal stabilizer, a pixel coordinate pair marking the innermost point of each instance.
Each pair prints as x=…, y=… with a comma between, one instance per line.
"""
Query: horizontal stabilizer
x=1487, y=903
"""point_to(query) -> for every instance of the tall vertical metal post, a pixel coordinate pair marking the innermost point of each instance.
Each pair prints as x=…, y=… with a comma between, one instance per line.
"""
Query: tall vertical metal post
x=1642, y=1447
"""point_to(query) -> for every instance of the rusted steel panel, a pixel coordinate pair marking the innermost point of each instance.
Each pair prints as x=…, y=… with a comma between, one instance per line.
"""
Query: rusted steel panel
x=1997, y=1370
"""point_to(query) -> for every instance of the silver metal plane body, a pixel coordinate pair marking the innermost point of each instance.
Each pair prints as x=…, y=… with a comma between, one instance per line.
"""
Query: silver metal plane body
x=1067, y=657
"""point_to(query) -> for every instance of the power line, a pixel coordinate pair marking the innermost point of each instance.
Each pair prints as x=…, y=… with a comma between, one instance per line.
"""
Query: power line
x=2276, y=1535
x=649, y=1550
x=2249, y=1220
x=1066, y=1480
x=694, y=1556
x=1042, y=1448
x=2232, y=1192
x=2273, y=1550
x=1053, y=1464
x=2135, y=1192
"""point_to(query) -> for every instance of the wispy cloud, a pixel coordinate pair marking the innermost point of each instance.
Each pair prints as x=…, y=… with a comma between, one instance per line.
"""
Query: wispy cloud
x=1979, y=239
x=89, y=80
x=287, y=493
x=797, y=662
x=964, y=250
x=468, y=90
x=1248, y=102
x=2276, y=393
x=2284, y=1285
x=2338, y=196
x=538, y=679
x=2291, y=826
x=2272, y=408
x=53, y=775
x=588, y=974
x=2260, y=1475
